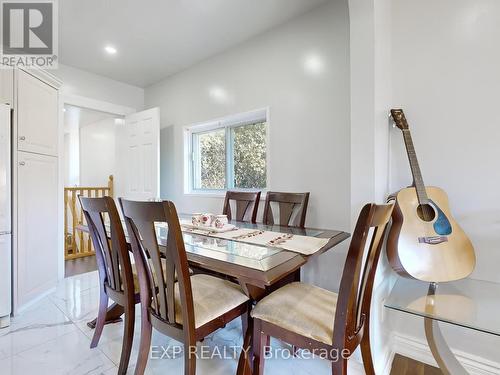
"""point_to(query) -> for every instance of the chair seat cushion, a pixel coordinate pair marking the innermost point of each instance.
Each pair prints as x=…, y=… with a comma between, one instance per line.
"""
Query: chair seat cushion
x=136, y=276
x=300, y=308
x=212, y=298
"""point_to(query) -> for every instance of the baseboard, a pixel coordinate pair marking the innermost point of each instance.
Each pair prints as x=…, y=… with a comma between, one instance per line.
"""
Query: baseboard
x=382, y=367
x=387, y=362
x=417, y=349
x=20, y=309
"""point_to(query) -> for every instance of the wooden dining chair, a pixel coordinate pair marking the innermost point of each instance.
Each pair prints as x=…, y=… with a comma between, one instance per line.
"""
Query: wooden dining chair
x=116, y=275
x=328, y=324
x=188, y=309
x=292, y=208
x=247, y=205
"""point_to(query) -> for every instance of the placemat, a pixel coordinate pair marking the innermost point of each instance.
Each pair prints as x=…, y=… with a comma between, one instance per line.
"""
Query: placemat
x=300, y=244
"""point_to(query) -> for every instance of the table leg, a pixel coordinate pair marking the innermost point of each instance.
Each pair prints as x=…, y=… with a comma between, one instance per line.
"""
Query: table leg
x=245, y=361
x=113, y=315
x=442, y=353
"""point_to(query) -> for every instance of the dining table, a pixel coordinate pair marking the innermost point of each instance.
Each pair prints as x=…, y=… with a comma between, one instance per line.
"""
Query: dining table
x=259, y=268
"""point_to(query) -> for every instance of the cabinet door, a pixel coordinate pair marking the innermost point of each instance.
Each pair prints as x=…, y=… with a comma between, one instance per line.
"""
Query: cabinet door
x=37, y=212
x=5, y=273
x=37, y=115
x=6, y=85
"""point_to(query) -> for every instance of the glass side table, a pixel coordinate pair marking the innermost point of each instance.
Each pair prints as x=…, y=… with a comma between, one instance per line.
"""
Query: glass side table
x=467, y=303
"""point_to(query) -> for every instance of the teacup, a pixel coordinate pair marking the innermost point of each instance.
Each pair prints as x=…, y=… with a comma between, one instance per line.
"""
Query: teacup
x=207, y=219
x=220, y=221
x=196, y=219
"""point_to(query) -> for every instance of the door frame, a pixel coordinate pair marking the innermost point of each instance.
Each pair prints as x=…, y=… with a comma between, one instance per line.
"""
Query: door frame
x=88, y=103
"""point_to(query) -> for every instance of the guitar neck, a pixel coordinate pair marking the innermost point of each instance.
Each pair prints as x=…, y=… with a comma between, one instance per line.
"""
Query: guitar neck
x=418, y=181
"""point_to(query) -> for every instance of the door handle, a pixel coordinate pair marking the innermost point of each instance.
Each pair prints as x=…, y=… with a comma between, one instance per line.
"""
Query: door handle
x=22, y=138
x=22, y=163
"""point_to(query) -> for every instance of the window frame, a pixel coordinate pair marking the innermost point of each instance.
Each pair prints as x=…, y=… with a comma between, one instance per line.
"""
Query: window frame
x=227, y=123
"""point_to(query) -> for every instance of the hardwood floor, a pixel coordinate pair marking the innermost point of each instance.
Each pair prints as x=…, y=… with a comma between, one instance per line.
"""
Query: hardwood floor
x=407, y=366
x=78, y=266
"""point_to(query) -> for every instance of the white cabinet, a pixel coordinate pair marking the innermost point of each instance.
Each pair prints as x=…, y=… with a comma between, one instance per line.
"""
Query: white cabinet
x=5, y=279
x=6, y=85
x=37, y=115
x=37, y=226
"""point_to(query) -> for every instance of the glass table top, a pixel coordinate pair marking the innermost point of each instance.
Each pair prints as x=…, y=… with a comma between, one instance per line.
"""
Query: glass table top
x=311, y=232
x=244, y=254
x=258, y=257
x=473, y=304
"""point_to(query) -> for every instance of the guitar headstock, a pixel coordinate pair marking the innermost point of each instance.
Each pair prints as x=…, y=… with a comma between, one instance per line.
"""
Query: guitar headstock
x=399, y=119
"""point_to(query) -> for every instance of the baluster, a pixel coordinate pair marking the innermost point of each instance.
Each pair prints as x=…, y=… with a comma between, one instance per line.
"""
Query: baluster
x=74, y=219
x=111, y=185
x=89, y=243
x=66, y=224
x=82, y=244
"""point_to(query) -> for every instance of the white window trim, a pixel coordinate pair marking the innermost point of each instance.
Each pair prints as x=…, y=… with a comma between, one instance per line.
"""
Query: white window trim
x=231, y=121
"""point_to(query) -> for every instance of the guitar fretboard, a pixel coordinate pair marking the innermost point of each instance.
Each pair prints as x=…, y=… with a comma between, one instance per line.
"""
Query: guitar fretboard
x=418, y=181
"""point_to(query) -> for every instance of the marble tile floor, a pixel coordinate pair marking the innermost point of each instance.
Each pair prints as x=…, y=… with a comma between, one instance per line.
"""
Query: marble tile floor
x=51, y=337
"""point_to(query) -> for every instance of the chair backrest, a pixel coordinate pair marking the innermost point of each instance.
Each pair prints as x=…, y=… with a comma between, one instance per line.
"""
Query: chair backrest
x=112, y=255
x=156, y=286
x=356, y=287
x=247, y=204
x=292, y=208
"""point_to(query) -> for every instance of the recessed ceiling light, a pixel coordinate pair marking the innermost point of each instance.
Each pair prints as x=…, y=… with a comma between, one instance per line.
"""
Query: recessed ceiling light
x=110, y=50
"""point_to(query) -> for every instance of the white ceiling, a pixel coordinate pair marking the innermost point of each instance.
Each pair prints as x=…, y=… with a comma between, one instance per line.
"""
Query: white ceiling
x=157, y=38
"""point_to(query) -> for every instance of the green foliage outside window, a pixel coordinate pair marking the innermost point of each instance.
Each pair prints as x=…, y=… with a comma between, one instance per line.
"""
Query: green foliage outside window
x=213, y=159
x=249, y=149
x=248, y=157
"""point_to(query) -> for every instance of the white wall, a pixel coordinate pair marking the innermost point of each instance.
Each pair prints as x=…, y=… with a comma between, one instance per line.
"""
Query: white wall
x=71, y=160
x=97, y=152
x=309, y=117
x=371, y=93
x=82, y=83
x=446, y=76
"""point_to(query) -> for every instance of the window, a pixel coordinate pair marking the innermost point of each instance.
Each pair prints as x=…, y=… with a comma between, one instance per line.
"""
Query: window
x=230, y=153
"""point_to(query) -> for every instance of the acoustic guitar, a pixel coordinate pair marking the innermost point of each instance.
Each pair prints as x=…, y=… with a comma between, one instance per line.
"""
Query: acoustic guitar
x=425, y=242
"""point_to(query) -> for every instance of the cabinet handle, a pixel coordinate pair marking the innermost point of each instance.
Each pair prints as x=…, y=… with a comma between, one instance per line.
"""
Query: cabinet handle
x=22, y=138
x=22, y=163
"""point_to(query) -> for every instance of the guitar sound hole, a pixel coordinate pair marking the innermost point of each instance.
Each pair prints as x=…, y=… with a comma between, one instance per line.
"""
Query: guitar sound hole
x=426, y=212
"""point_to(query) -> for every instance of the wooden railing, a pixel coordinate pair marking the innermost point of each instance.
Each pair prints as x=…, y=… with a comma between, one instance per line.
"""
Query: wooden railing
x=77, y=243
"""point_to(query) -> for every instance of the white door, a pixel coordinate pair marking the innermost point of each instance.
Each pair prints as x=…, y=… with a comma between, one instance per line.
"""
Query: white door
x=138, y=156
x=37, y=221
x=37, y=117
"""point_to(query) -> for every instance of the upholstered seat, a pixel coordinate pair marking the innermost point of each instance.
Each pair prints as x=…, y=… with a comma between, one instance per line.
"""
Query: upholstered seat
x=301, y=308
x=136, y=277
x=212, y=297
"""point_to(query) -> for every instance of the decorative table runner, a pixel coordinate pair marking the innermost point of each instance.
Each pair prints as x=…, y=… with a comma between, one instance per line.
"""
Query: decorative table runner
x=300, y=244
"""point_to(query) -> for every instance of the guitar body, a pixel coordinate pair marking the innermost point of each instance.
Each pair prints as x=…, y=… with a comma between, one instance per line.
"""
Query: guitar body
x=434, y=249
